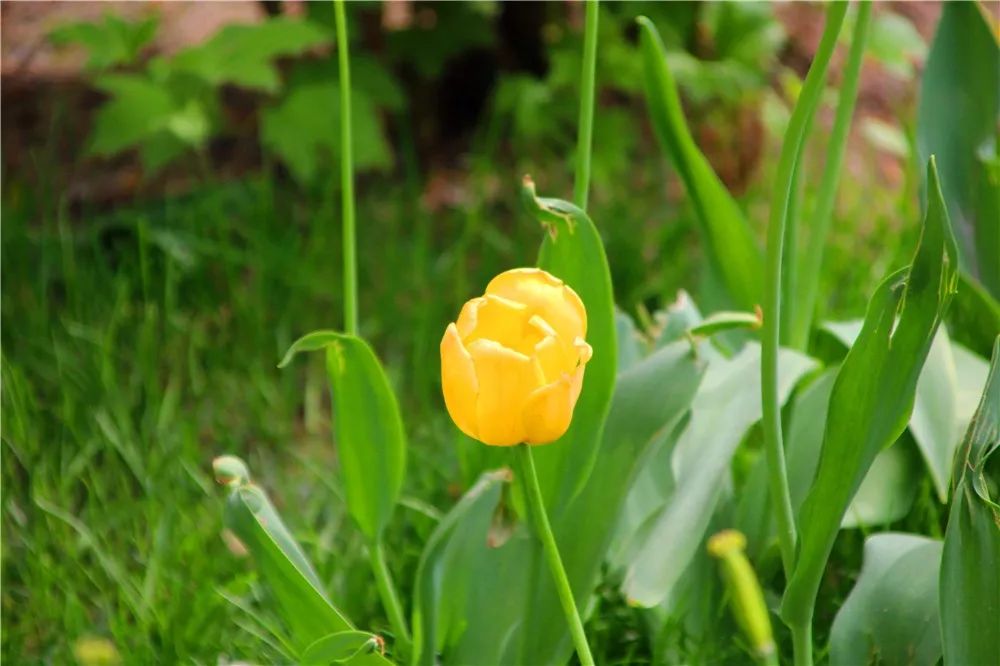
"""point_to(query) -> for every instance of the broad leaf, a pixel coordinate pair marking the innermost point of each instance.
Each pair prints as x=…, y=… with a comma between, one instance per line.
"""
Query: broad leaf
x=727, y=404
x=731, y=245
x=341, y=647
x=110, y=42
x=367, y=427
x=283, y=566
x=891, y=615
x=873, y=394
x=439, y=594
x=970, y=577
x=957, y=117
x=573, y=252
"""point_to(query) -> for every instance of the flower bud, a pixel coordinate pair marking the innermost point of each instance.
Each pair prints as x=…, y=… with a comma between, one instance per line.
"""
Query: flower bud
x=744, y=590
x=512, y=365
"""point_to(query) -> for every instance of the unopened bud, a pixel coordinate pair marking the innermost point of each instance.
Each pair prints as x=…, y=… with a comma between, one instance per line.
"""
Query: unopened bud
x=744, y=590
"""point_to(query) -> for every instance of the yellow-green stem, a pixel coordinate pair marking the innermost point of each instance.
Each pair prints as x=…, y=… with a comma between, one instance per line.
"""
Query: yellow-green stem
x=536, y=506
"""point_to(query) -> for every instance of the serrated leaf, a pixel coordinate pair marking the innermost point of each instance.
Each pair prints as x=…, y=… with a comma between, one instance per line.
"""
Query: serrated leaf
x=244, y=55
x=138, y=109
x=109, y=42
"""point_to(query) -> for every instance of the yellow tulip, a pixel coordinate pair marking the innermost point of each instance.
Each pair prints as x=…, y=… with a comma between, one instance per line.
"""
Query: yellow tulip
x=512, y=365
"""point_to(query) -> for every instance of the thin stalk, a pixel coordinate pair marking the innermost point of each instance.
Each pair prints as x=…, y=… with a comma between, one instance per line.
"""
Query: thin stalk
x=773, y=445
x=774, y=448
x=536, y=506
x=812, y=259
x=584, y=141
x=390, y=600
x=383, y=579
x=347, y=175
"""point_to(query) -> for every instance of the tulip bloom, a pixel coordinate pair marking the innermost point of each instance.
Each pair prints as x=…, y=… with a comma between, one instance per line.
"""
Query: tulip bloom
x=512, y=365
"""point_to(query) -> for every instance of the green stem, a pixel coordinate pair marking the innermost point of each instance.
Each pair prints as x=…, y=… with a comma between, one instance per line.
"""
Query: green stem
x=812, y=260
x=586, y=125
x=390, y=600
x=536, y=506
x=802, y=643
x=774, y=448
x=347, y=175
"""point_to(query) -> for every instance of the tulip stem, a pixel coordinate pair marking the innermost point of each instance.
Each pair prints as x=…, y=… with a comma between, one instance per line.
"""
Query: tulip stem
x=536, y=507
x=586, y=121
x=347, y=175
x=390, y=599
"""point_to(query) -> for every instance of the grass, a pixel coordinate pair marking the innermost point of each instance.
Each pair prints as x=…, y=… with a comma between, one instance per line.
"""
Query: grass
x=140, y=343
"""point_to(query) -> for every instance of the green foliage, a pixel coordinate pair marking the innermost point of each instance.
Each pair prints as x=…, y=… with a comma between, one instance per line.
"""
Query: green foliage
x=110, y=42
x=368, y=427
x=891, y=614
x=726, y=406
x=957, y=122
x=290, y=576
x=970, y=580
x=873, y=395
x=732, y=247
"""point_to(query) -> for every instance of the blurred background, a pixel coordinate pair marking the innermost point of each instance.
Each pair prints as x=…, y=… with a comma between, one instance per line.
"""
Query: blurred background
x=171, y=224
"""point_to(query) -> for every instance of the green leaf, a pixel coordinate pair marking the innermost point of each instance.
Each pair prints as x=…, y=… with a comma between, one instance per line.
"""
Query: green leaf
x=873, y=395
x=630, y=342
x=573, y=252
x=888, y=489
x=726, y=405
x=974, y=316
x=439, y=593
x=970, y=578
x=525, y=623
x=367, y=427
x=957, y=117
x=243, y=55
x=731, y=244
x=891, y=615
x=138, y=109
x=717, y=322
x=109, y=42
x=281, y=562
x=340, y=647
x=302, y=130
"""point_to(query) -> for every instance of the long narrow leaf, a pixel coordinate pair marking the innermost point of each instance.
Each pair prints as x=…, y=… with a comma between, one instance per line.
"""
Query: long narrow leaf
x=873, y=394
x=970, y=576
x=731, y=245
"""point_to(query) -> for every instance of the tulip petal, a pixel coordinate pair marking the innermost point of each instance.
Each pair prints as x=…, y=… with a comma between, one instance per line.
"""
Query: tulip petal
x=506, y=377
x=545, y=295
x=549, y=411
x=499, y=319
x=458, y=379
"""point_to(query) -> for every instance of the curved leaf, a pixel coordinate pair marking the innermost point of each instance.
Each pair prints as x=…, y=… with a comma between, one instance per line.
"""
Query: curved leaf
x=970, y=577
x=731, y=245
x=727, y=404
x=367, y=426
x=873, y=395
x=283, y=566
x=445, y=564
x=340, y=647
x=573, y=252
x=891, y=615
